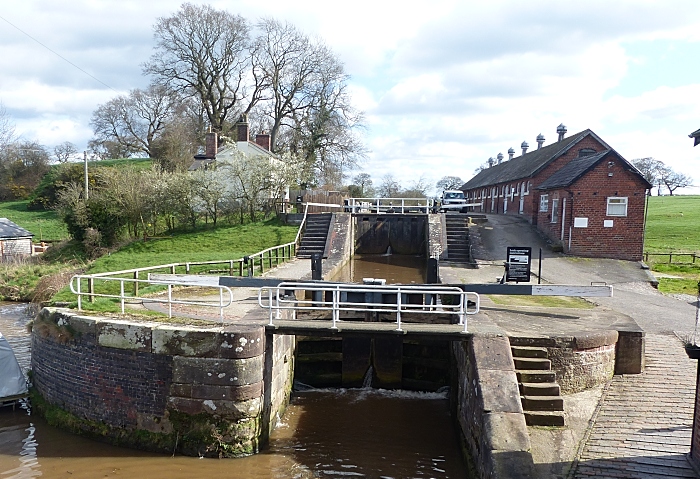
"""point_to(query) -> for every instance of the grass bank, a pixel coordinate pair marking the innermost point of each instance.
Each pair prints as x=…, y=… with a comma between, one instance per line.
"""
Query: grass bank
x=673, y=226
x=45, y=225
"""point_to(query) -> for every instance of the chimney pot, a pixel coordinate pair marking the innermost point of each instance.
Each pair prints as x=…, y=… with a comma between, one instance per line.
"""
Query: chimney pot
x=511, y=153
x=263, y=140
x=242, y=133
x=500, y=158
x=561, y=131
x=540, y=140
x=524, y=146
x=210, y=145
x=490, y=162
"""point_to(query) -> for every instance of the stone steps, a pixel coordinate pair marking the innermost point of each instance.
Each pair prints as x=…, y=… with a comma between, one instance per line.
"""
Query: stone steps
x=315, y=235
x=540, y=395
x=457, y=232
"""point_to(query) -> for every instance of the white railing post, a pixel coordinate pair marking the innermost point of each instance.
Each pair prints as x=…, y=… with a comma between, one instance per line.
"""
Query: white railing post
x=221, y=302
x=336, y=307
x=170, y=300
x=398, y=309
x=121, y=294
x=80, y=296
x=269, y=303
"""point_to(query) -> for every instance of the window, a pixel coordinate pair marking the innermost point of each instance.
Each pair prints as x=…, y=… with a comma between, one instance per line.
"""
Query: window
x=555, y=210
x=585, y=152
x=617, y=206
x=544, y=203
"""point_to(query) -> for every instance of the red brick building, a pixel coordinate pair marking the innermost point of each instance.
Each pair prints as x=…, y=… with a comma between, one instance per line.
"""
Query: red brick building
x=578, y=191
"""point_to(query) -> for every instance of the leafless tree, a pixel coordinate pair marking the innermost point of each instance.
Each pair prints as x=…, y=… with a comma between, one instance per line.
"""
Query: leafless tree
x=449, y=183
x=364, y=181
x=390, y=187
x=137, y=120
x=674, y=180
x=7, y=128
x=650, y=169
x=204, y=53
x=65, y=151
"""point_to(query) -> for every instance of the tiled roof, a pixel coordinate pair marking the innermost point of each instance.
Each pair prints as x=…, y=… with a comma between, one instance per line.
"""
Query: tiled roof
x=8, y=229
x=572, y=171
x=528, y=164
x=578, y=167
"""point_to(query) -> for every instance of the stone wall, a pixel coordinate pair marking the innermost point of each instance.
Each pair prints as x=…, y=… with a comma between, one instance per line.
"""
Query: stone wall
x=211, y=392
x=488, y=409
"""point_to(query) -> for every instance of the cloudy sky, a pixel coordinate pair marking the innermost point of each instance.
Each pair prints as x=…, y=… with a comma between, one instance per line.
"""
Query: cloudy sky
x=444, y=84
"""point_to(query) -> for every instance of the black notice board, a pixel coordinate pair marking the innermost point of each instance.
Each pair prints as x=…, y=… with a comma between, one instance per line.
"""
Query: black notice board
x=519, y=260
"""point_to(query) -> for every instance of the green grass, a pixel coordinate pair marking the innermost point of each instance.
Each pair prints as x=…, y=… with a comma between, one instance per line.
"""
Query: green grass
x=138, y=163
x=222, y=243
x=673, y=225
x=542, y=301
x=45, y=225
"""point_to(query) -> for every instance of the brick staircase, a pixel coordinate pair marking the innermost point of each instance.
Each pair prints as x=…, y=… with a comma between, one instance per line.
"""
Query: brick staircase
x=457, y=229
x=539, y=392
x=315, y=235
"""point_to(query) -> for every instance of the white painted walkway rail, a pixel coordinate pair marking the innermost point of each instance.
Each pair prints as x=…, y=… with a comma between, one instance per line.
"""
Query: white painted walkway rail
x=336, y=298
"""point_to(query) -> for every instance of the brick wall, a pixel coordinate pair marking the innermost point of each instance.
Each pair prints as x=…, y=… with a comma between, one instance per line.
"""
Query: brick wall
x=695, y=442
x=129, y=377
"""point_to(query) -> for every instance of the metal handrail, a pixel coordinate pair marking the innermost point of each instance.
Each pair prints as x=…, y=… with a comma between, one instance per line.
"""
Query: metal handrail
x=122, y=296
x=278, y=299
x=386, y=205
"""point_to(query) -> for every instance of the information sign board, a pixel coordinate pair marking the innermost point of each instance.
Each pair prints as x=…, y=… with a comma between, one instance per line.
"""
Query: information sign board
x=519, y=260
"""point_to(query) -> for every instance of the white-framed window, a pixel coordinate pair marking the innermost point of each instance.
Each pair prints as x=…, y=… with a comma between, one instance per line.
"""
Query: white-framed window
x=555, y=210
x=617, y=206
x=544, y=203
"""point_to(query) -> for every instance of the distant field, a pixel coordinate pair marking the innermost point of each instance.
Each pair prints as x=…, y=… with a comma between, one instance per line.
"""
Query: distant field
x=673, y=224
x=45, y=225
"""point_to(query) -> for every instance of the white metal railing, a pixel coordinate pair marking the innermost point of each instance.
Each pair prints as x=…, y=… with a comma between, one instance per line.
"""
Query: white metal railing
x=123, y=296
x=389, y=205
x=277, y=299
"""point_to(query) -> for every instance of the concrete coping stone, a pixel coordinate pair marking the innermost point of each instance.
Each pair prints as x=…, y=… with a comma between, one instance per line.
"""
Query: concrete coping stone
x=580, y=341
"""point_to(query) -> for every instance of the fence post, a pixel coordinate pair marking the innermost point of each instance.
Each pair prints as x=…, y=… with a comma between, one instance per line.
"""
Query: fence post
x=91, y=289
x=136, y=283
x=230, y=269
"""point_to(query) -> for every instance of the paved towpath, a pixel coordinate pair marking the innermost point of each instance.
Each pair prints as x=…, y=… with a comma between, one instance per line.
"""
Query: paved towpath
x=643, y=425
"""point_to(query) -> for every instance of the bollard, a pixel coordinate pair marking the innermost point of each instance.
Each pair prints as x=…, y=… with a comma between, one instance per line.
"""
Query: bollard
x=317, y=274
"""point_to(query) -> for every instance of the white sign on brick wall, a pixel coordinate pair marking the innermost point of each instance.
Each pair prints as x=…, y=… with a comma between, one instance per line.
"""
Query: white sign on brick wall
x=580, y=222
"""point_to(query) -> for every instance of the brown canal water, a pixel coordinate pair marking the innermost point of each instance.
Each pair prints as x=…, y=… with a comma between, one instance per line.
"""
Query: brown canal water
x=324, y=433
x=395, y=268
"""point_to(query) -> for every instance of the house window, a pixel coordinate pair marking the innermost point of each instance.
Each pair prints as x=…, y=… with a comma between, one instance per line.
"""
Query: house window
x=544, y=203
x=555, y=210
x=585, y=152
x=617, y=206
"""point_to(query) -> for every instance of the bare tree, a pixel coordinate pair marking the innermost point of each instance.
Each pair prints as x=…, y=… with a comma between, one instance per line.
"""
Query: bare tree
x=449, y=183
x=674, y=180
x=364, y=181
x=65, y=151
x=650, y=169
x=135, y=121
x=204, y=53
x=390, y=187
x=22, y=166
x=7, y=129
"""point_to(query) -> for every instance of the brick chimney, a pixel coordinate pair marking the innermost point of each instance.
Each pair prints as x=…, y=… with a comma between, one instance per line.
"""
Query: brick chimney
x=524, y=146
x=242, y=133
x=263, y=141
x=511, y=153
x=540, y=140
x=561, y=131
x=210, y=145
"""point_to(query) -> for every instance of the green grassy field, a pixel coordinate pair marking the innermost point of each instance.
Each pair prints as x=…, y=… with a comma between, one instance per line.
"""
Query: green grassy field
x=45, y=225
x=673, y=225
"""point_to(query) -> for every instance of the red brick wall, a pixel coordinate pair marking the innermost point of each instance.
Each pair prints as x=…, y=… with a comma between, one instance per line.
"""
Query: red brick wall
x=587, y=198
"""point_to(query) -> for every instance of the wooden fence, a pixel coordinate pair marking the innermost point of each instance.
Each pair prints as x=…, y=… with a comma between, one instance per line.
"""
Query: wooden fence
x=670, y=256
